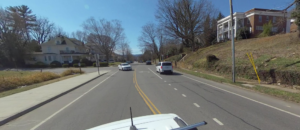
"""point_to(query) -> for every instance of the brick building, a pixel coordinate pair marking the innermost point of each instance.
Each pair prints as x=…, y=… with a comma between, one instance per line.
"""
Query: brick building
x=254, y=20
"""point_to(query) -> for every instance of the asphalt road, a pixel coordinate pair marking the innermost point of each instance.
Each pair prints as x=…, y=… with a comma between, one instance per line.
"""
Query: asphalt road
x=109, y=97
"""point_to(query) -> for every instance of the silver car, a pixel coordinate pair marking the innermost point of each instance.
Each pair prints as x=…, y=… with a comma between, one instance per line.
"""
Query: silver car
x=124, y=66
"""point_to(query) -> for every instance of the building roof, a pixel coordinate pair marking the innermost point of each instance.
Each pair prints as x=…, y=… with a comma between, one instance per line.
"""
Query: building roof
x=260, y=9
x=68, y=41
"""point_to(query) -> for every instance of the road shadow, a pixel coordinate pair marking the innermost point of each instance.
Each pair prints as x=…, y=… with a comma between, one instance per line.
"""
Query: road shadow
x=292, y=64
x=174, y=74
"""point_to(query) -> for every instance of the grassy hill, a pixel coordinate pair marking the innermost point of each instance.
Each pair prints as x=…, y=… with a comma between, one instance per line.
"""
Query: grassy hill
x=277, y=58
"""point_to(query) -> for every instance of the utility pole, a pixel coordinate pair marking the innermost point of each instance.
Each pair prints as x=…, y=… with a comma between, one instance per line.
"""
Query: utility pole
x=232, y=42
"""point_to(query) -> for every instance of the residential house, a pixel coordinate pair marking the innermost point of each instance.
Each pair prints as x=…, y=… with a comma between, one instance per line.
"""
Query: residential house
x=254, y=20
x=61, y=49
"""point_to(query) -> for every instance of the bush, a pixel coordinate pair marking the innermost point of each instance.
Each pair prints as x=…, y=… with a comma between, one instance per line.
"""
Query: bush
x=103, y=64
x=9, y=83
x=65, y=65
x=86, y=62
x=75, y=65
x=82, y=64
x=55, y=64
x=243, y=33
x=27, y=65
x=267, y=30
x=94, y=64
x=40, y=65
x=75, y=62
x=71, y=71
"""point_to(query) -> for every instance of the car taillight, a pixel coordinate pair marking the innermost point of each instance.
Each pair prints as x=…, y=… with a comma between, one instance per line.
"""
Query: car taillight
x=172, y=66
x=161, y=67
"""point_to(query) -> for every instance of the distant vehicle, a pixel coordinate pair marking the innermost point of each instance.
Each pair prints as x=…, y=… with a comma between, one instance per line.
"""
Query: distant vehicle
x=131, y=61
x=124, y=66
x=148, y=62
x=164, y=67
x=128, y=62
x=150, y=122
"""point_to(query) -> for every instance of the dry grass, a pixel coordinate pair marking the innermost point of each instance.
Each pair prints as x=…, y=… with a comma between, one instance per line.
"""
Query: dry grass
x=71, y=72
x=284, y=47
x=16, y=79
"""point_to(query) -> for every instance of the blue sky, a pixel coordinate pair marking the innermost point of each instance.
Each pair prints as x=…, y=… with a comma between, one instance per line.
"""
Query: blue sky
x=70, y=14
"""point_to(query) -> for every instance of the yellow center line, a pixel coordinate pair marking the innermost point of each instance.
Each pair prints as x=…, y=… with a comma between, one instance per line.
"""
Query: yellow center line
x=144, y=95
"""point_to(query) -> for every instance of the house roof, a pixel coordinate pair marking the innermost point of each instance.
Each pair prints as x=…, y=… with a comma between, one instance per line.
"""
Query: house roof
x=68, y=41
x=260, y=9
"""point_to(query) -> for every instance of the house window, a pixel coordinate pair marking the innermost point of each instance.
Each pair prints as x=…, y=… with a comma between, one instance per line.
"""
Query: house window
x=274, y=19
x=49, y=58
x=57, y=42
x=248, y=20
x=45, y=58
x=267, y=18
x=274, y=29
x=260, y=18
x=49, y=49
x=67, y=49
x=259, y=28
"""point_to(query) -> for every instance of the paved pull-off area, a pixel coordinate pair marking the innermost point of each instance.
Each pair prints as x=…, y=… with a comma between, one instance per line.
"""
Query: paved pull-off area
x=18, y=103
x=109, y=97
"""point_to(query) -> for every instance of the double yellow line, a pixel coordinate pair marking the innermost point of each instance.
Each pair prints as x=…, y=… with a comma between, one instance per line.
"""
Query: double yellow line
x=144, y=96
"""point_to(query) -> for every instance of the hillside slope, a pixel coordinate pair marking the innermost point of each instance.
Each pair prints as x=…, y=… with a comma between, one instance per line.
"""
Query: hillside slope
x=277, y=58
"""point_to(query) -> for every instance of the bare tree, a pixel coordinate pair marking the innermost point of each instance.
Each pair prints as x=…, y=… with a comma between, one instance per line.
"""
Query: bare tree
x=147, y=41
x=79, y=35
x=184, y=18
x=123, y=46
x=42, y=31
x=104, y=35
x=57, y=31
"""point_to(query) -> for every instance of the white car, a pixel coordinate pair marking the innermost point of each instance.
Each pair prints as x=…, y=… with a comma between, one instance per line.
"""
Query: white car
x=150, y=122
x=164, y=67
x=124, y=66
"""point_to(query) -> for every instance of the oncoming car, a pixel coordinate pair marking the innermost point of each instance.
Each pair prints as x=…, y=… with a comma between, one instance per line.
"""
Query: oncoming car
x=164, y=67
x=124, y=66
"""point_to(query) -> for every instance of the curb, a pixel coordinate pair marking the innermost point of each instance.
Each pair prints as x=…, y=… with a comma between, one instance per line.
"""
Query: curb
x=4, y=121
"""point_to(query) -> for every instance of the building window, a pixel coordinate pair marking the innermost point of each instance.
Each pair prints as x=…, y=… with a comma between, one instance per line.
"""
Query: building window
x=248, y=20
x=57, y=42
x=54, y=57
x=67, y=49
x=260, y=18
x=49, y=58
x=259, y=28
x=274, y=19
x=45, y=58
x=49, y=49
x=267, y=18
x=274, y=29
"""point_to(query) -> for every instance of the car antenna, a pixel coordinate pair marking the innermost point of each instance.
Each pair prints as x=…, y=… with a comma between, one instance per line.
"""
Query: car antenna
x=132, y=127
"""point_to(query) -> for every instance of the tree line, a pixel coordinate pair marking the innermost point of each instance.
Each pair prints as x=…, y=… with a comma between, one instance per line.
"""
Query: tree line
x=22, y=31
x=181, y=24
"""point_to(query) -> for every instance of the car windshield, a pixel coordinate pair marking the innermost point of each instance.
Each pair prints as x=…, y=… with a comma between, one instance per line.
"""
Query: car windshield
x=166, y=64
x=124, y=64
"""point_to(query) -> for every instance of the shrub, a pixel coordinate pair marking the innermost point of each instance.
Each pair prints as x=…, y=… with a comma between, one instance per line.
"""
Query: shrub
x=243, y=33
x=71, y=71
x=75, y=62
x=86, y=61
x=55, y=64
x=82, y=64
x=103, y=64
x=267, y=30
x=65, y=65
x=9, y=83
x=94, y=64
x=40, y=65
x=75, y=65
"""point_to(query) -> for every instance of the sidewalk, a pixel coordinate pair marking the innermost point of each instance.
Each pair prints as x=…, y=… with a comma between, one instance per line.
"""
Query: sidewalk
x=18, y=104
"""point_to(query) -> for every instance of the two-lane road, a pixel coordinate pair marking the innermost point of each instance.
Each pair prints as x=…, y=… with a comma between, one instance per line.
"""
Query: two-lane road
x=109, y=97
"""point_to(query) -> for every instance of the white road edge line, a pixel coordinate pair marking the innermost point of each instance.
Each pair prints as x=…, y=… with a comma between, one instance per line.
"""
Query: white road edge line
x=38, y=125
x=183, y=95
x=175, y=88
x=219, y=122
x=170, y=84
x=196, y=105
x=155, y=73
x=246, y=98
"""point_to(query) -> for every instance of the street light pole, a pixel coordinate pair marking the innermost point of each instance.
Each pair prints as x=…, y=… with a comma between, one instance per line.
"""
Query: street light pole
x=232, y=42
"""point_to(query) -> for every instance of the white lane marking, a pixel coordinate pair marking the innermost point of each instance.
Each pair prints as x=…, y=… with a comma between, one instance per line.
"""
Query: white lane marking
x=155, y=73
x=196, y=105
x=293, y=114
x=170, y=84
x=183, y=95
x=219, y=122
x=38, y=125
x=175, y=88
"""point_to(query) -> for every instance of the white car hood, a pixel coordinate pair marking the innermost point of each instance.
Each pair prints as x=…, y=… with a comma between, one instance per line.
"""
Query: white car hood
x=150, y=122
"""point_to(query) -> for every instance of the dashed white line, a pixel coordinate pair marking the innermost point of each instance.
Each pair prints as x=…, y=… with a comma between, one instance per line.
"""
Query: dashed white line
x=293, y=114
x=196, y=105
x=183, y=95
x=219, y=122
x=155, y=73
x=42, y=122
x=175, y=88
x=170, y=84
